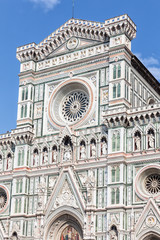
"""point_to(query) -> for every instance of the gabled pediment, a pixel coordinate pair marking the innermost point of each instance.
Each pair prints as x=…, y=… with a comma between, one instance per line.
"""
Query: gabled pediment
x=65, y=193
x=80, y=43
x=149, y=220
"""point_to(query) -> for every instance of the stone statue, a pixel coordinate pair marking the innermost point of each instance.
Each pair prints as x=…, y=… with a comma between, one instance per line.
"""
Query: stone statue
x=54, y=155
x=45, y=157
x=93, y=150
x=137, y=143
x=151, y=141
x=113, y=235
x=67, y=156
x=82, y=152
x=104, y=148
x=9, y=163
x=36, y=159
x=90, y=184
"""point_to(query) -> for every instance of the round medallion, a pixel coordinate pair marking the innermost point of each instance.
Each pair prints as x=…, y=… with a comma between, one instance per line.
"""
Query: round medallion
x=3, y=198
x=72, y=43
x=74, y=106
x=152, y=183
x=151, y=221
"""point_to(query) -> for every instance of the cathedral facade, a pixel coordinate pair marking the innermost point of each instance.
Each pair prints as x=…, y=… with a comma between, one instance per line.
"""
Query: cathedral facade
x=84, y=160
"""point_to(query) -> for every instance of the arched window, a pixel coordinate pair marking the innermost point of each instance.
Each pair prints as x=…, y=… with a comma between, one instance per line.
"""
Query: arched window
x=151, y=139
x=93, y=148
x=137, y=141
x=67, y=149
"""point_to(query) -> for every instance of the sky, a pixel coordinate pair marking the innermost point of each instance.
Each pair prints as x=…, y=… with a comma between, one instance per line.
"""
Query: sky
x=26, y=21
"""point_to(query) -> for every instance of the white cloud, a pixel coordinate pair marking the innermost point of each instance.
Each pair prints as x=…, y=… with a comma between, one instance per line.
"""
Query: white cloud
x=152, y=63
x=155, y=71
x=48, y=4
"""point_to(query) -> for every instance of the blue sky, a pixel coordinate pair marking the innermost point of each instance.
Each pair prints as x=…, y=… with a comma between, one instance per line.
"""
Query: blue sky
x=25, y=21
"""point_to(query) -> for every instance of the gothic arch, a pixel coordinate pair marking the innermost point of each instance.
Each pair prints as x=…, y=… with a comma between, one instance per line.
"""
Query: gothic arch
x=60, y=219
x=149, y=235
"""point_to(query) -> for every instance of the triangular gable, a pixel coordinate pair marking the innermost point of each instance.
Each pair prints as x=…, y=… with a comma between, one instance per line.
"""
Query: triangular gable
x=66, y=193
x=82, y=43
x=149, y=220
x=73, y=27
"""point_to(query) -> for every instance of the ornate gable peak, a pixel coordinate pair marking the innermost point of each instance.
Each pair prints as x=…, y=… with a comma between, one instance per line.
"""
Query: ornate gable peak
x=65, y=193
x=149, y=219
x=73, y=27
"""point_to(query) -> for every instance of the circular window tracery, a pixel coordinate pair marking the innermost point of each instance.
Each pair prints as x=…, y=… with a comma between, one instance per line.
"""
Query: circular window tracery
x=74, y=106
x=3, y=198
x=152, y=183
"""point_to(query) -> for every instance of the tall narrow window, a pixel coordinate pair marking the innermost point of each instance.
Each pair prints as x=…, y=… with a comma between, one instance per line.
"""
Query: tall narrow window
x=113, y=143
x=119, y=70
x=23, y=94
x=114, y=72
x=117, y=173
x=19, y=158
x=26, y=94
x=25, y=113
x=22, y=110
x=114, y=91
x=113, y=174
x=22, y=163
x=117, y=196
x=118, y=141
x=113, y=196
x=119, y=90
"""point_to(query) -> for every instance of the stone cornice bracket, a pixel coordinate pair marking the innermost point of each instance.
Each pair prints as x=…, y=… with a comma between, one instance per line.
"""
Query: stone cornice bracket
x=22, y=136
x=120, y=25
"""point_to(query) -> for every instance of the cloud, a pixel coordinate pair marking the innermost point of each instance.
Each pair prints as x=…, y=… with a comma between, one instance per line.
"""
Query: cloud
x=48, y=4
x=152, y=63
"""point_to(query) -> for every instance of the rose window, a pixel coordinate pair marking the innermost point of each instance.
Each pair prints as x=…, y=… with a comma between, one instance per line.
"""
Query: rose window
x=152, y=184
x=74, y=106
x=3, y=198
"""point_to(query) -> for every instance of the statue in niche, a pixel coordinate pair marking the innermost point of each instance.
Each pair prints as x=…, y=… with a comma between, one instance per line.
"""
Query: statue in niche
x=113, y=235
x=82, y=150
x=45, y=156
x=151, y=139
x=93, y=149
x=137, y=140
x=103, y=147
x=35, y=158
x=54, y=154
x=67, y=153
x=9, y=162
